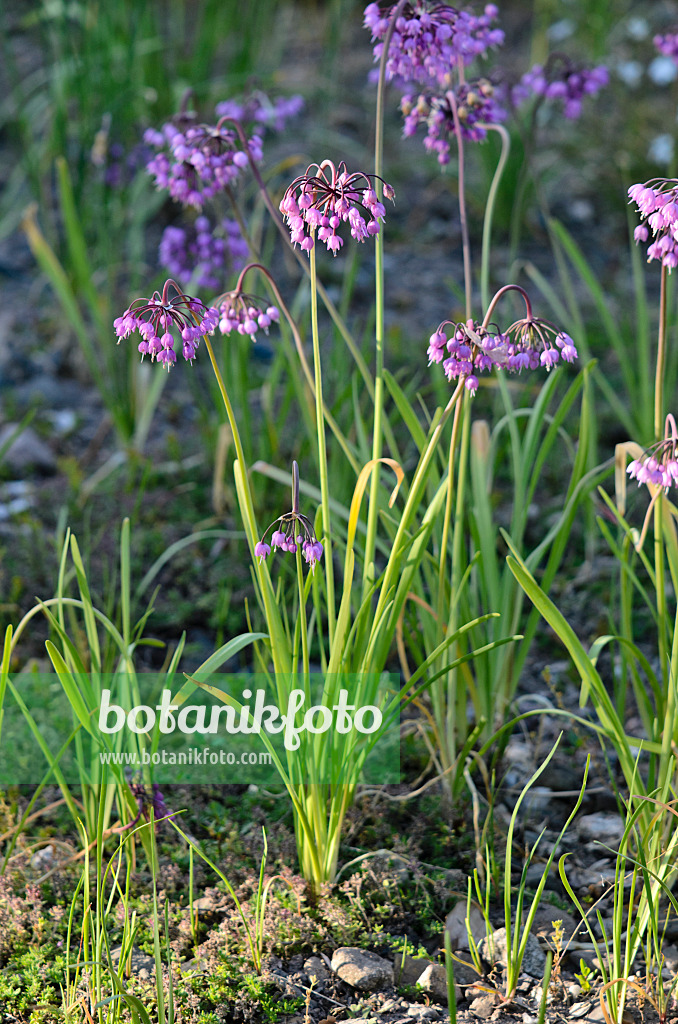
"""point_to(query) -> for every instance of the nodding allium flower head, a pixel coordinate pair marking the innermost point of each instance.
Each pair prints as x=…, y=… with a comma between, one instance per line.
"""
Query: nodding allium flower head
x=260, y=109
x=196, y=161
x=658, y=465
x=667, y=45
x=318, y=202
x=292, y=531
x=472, y=348
x=203, y=252
x=561, y=79
x=245, y=314
x=156, y=318
x=430, y=38
x=475, y=108
x=657, y=203
x=150, y=802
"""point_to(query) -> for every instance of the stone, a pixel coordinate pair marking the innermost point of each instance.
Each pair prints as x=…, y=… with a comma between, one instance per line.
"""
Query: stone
x=408, y=969
x=44, y=859
x=208, y=908
x=544, y=917
x=141, y=966
x=434, y=982
x=27, y=451
x=534, y=960
x=605, y=826
x=455, y=924
x=361, y=969
x=419, y=1012
x=314, y=967
x=485, y=1005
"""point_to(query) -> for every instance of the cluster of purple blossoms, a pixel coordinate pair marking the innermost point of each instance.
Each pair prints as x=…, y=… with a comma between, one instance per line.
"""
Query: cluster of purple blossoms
x=560, y=79
x=657, y=202
x=323, y=198
x=244, y=314
x=260, y=109
x=202, y=251
x=475, y=108
x=155, y=318
x=292, y=531
x=150, y=803
x=196, y=161
x=430, y=38
x=472, y=349
x=288, y=539
x=667, y=45
x=659, y=464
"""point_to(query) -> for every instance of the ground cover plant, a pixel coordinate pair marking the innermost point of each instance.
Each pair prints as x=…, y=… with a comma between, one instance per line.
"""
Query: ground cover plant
x=335, y=684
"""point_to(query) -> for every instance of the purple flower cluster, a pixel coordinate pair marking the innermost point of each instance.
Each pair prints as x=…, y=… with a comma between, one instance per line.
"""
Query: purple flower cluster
x=311, y=549
x=155, y=318
x=472, y=349
x=430, y=38
x=287, y=538
x=659, y=464
x=475, y=107
x=292, y=531
x=260, y=109
x=196, y=161
x=657, y=203
x=319, y=201
x=667, y=45
x=203, y=251
x=244, y=314
x=561, y=80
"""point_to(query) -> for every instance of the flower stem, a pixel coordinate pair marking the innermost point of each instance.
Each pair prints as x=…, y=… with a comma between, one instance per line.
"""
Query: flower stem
x=661, y=359
x=279, y=649
x=377, y=428
x=489, y=212
x=461, y=186
x=322, y=454
x=659, y=561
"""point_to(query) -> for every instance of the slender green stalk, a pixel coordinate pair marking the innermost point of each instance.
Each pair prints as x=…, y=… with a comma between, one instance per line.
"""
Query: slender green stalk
x=461, y=189
x=377, y=429
x=659, y=554
x=303, y=263
x=279, y=649
x=322, y=454
x=489, y=212
x=414, y=499
x=661, y=359
x=442, y=568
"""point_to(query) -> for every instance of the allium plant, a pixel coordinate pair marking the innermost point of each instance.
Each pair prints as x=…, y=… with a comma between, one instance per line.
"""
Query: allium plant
x=318, y=202
x=471, y=106
x=657, y=203
x=355, y=622
x=198, y=161
x=203, y=252
x=562, y=80
x=430, y=38
x=292, y=531
x=667, y=45
x=648, y=759
x=156, y=319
